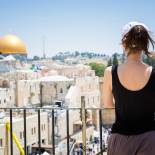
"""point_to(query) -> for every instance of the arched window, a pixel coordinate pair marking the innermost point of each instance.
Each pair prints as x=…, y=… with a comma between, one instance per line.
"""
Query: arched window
x=5, y=84
x=61, y=90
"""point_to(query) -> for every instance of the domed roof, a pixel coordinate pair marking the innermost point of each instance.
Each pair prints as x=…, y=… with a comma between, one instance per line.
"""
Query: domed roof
x=11, y=44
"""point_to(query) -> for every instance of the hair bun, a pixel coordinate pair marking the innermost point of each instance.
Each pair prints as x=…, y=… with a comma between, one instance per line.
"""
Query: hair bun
x=137, y=39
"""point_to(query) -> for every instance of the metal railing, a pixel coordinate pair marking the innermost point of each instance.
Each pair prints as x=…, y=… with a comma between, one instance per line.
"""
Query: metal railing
x=53, y=110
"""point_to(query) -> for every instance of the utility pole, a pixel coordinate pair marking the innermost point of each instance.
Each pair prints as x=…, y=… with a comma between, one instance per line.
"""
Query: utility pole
x=43, y=46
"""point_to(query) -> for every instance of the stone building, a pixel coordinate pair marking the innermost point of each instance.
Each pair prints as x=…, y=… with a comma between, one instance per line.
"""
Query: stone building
x=7, y=93
x=89, y=88
x=28, y=93
x=49, y=90
x=18, y=129
x=73, y=71
x=54, y=88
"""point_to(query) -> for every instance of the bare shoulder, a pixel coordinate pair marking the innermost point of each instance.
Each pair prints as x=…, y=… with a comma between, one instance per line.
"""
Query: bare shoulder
x=107, y=71
x=107, y=75
x=148, y=68
x=107, y=79
x=146, y=65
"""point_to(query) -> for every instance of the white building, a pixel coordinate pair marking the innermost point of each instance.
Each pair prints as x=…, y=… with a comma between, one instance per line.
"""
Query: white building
x=88, y=87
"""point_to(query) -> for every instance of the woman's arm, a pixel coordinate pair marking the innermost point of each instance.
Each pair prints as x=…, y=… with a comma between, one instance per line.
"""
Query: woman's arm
x=107, y=89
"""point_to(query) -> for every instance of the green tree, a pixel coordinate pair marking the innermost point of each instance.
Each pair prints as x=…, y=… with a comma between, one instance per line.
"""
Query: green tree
x=149, y=60
x=98, y=68
x=90, y=55
x=115, y=60
x=109, y=62
x=77, y=53
x=36, y=58
x=123, y=58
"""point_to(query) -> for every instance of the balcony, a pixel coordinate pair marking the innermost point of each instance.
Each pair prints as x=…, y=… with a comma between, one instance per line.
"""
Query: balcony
x=69, y=144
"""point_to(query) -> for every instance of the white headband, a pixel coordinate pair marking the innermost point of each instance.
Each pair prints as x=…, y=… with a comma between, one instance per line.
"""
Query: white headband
x=130, y=25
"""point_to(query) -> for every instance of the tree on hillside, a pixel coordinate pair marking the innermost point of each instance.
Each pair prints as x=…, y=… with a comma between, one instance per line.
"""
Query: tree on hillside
x=109, y=62
x=123, y=58
x=36, y=58
x=77, y=53
x=149, y=60
x=98, y=68
x=115, y=60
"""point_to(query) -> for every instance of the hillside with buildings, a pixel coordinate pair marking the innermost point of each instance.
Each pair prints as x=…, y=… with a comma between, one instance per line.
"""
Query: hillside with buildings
x=53, y=105
x=39, y=92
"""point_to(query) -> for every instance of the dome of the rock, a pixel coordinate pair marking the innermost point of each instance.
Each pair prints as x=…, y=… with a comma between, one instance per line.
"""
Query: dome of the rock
x=11, y=44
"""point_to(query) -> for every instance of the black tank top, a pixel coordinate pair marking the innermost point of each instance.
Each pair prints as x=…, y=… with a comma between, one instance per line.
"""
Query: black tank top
x=134, y=110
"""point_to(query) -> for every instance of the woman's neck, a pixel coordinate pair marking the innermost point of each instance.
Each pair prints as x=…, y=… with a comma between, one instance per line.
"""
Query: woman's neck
x=134, y=58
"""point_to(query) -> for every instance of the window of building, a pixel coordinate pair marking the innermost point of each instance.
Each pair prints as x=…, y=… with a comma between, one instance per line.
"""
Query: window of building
x=32, y=131
x=97, y=86
x=20, y=135
x=1, y=142
x=89, y=86
x=0, y=101
x=68, y=86
x=10, y=97
x=98, y=98
x=43, y=141
x=5, y=84
x=82, y=89
x=30, y=88
x=61, y=90
x=4, y=100
x=42, y=127
x=56, y=119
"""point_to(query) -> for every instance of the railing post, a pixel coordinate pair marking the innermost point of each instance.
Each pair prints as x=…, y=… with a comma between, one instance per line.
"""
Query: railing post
x=83, y=124
x=39, y=133
x=67, y=126
x=41, y=95
x=11, y=130
x=53, y=132
x=100, y=121
x=25, y=133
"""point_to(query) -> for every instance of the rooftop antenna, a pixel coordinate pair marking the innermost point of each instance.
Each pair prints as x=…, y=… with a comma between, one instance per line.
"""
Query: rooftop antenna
x=43, y=46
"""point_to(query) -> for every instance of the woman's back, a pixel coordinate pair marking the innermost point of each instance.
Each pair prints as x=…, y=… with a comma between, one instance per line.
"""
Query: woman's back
x=134, y=76
x=134, y=102
x=130, y=88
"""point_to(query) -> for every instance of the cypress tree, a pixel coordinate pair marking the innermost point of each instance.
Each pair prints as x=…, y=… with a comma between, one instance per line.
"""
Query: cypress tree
x=109, y=62
x=115, y=60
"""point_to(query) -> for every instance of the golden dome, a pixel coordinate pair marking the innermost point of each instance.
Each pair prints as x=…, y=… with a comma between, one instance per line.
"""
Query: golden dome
x=11, y=44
